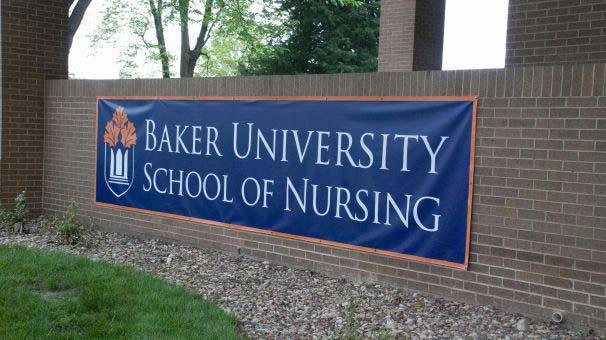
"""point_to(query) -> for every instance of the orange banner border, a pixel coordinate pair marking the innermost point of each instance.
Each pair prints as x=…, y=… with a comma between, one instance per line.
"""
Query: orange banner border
x=473, y=99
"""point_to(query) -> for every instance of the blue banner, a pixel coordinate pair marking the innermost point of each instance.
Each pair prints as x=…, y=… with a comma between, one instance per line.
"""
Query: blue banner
x=386, y=175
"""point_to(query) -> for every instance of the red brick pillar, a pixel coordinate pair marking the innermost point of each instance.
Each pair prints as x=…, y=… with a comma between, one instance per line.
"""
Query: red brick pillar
x=33, y=35
x=411, y=35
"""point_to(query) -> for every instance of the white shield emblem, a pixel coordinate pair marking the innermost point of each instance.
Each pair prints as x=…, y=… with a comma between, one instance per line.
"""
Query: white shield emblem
x=120, y=139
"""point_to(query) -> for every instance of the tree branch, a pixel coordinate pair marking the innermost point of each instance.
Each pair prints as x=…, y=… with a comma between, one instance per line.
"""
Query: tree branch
x=210, y=29
x=185, y=47
x=204, y=29
x=75, y=19
x=157, y=14
x=141, y=36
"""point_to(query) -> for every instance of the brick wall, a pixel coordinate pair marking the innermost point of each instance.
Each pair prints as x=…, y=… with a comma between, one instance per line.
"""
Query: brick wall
x=543, y=32
x=411, y=35
x=539, y=213
x=33, y=50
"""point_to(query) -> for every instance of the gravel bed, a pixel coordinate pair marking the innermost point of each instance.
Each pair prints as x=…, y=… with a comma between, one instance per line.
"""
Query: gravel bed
x=277, y=302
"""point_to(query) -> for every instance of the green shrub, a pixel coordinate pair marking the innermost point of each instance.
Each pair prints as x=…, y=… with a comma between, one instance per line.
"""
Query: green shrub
x=14, y=221
x=21, y=212
x=7, y=218
x=46, y=224
x=68, y=229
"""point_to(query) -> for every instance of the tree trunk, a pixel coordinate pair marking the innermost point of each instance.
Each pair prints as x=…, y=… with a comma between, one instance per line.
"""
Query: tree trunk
x=185, y=49
x=188, y=64
x=75, y=19
x=157, y=14
x=191, y=67
x=189, y=57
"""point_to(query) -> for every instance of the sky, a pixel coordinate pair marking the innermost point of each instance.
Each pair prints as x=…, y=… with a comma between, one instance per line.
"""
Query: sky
x=474, y=34
x=84, y=60
x=474, y=37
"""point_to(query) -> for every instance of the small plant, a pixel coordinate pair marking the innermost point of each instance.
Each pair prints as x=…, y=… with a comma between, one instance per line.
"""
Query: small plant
x=14, y=221
x=21, y=212
x=351, y=329
x=46, y=224
x=68, y=229
x=6, y=218
x=351, y=333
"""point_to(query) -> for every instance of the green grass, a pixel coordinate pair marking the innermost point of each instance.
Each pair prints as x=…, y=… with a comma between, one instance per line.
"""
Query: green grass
x=54, y=295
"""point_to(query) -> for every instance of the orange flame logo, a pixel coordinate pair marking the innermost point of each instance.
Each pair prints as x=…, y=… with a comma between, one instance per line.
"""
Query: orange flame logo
x=119, y=126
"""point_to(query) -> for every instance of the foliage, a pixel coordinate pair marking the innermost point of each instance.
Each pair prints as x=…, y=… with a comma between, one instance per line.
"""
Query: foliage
x=67, y=228
x=351, y=332
x=53, y=295
x=319, y=37
x=15, y=220
x=21, y=211
x=149, y=21
x=240, y=36
x=126, y=17
x=220, y=59
x=237, y=39
x=46, y=224
x=7, y=218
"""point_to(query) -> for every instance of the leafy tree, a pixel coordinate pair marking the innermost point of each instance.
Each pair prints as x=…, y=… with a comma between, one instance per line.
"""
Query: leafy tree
x=320, y=36
x=189, y=56
x=237, y=39
x=75, y=19
x=142, y=17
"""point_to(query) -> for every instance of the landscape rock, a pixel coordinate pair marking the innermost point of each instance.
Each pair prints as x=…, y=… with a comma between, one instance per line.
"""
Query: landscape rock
x=276, y=302
x=522, y=325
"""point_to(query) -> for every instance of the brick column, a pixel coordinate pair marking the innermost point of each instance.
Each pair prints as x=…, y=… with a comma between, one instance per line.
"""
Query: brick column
x=396, y=35
x=429, y=35
x=33, y=35
x=411, y=35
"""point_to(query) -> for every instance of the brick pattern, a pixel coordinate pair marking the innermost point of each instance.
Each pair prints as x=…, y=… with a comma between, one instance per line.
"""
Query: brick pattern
x=539, y=214
x=411, y=36
x=544, y=32
x=33, y=50
x=396, y=35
